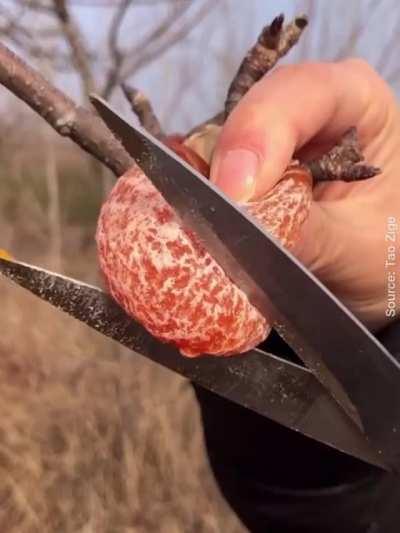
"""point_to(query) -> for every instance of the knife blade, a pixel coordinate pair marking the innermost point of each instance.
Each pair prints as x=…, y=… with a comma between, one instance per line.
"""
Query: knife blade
x=358, y=371
x=273, y=387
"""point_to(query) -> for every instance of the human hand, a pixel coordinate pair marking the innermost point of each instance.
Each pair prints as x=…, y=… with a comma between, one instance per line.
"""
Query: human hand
x=304, y=110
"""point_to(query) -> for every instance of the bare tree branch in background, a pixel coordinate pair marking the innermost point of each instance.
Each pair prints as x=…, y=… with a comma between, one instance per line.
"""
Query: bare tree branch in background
x=69, y=49
x=87, y=129
x=89, y=132
x=125, y=59
x=173, y=38
x=70, y=120
x=12, y=28
x=108, y=3
x=166, y=34
x=38, y=5
x=74, y=37
x=116, y=54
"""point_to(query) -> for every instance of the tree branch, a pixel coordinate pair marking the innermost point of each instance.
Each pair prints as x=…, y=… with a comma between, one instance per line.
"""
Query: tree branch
x=115, y=52
x=154, y=46
x=36, y=5
x=27, y=40
x=73, y=36
x=83, y=127
x=126, y=62
x=143, y=109
x=88, y=131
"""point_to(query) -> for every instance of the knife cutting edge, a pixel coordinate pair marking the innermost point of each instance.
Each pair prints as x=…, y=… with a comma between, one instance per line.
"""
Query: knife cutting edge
x=273, y=387
x=359, y=372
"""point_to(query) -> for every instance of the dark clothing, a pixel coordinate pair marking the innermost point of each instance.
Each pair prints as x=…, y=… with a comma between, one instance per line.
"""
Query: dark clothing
x=279, y=481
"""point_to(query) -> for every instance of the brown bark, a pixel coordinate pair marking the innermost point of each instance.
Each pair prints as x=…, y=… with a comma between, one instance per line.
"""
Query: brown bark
x=143, y=109
x=82, y=126
x=117, y=55
x=79, y=53
x=274, y=42
x=172, y=29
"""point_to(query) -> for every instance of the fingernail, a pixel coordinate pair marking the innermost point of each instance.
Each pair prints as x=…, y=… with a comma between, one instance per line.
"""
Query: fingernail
x=236, y=174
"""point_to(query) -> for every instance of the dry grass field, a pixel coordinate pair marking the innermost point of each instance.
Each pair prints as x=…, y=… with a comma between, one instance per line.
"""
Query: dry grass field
x=93, y=439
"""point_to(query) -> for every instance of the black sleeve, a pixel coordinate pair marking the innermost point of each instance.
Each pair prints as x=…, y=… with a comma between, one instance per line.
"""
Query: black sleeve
x=265, y=471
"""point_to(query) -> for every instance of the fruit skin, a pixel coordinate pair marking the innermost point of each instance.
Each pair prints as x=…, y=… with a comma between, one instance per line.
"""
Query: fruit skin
x=286, y=206
x=163, y=276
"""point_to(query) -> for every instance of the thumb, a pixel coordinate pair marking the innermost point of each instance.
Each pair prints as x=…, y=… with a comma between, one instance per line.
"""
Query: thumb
x=251, y=156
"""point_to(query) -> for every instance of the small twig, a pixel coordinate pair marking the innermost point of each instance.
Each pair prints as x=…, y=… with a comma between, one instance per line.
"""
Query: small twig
x=129, y=60
x=37, y=6
x=273, y=43
x=143, y=109
x=26, y=39
x=342, y=162
x=79, y=53
x=84, y=127
x=154, y=46
x=116, y=54
x=13, y=24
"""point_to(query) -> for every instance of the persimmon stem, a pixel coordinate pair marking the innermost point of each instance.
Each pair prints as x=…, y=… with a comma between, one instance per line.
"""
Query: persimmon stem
x=343, y=162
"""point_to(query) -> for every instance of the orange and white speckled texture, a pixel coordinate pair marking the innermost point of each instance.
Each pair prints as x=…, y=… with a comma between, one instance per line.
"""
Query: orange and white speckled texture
x=164, y=277
x=283, y=210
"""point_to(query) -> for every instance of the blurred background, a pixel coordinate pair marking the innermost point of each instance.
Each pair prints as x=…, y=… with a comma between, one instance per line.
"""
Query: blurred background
x=93, y=438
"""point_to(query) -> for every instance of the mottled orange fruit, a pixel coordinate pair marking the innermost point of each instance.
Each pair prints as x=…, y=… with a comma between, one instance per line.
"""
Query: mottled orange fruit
x=163, y=276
